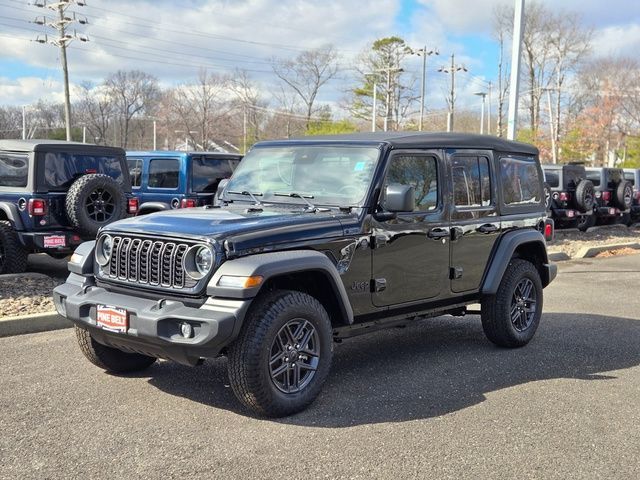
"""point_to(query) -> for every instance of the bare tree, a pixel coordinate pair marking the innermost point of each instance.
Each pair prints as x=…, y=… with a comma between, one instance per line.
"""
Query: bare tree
x=252, y=105
x=135, y=93
x=95, y=109
x=307, y=73
x=10, y=122
x=502, y=31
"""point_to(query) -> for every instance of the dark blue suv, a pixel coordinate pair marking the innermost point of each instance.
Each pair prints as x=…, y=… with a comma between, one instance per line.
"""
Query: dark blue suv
x=54, y=195
x=165, y=180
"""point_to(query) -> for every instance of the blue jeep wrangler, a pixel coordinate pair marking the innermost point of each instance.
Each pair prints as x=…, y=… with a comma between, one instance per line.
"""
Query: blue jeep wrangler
x=54, y=195
x=165, y=180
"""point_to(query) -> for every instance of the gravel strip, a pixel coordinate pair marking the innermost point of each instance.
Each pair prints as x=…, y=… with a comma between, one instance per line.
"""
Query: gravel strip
x=26, y=295
x=570, y=241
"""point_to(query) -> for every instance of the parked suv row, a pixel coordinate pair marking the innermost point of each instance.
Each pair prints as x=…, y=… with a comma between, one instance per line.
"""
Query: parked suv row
x=579, y=197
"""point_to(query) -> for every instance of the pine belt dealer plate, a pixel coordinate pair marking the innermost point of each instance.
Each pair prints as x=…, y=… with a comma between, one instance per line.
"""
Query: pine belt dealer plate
x=111, y=318
x=53, y=241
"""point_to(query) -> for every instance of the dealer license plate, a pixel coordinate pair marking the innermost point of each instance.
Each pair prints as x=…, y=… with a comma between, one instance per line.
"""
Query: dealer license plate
x=53, y=241
x=111, y=318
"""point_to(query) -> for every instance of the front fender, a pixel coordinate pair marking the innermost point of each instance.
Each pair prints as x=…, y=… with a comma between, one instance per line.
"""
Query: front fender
x=273, y=264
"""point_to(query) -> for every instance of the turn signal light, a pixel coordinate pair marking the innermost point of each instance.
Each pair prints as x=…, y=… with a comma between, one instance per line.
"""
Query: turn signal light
x=37, y=206
x=187, y=203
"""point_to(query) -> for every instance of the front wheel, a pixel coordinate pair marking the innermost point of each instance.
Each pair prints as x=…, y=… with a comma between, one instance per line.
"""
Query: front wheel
x=511, y=316
x=280, y=361
x=111, y=359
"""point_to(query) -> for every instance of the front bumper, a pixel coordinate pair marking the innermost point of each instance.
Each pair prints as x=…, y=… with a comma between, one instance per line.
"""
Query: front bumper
x=154, y=325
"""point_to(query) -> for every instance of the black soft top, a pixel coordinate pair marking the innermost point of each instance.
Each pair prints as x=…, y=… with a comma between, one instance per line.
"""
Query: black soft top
x=58, y=145
x=415, y=140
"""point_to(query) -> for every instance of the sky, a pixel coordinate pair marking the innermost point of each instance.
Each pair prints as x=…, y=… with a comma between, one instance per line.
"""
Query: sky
x=174, y=39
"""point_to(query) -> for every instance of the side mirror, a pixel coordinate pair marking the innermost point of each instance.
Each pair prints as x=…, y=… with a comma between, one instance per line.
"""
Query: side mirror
x=221, y=186
x=399, y=198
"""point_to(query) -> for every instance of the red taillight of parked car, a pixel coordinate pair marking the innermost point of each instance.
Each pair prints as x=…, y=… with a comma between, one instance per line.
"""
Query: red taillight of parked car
x=187, y=203
x=565, y=197
x=37, y=207
x=548, y=230
x=637, y=195
x=606, y=196
x=133, y=206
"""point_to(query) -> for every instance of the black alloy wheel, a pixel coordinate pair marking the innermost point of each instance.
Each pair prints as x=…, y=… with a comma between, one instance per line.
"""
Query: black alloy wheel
x=100, y=205
x=523, y=305
x=294, y=356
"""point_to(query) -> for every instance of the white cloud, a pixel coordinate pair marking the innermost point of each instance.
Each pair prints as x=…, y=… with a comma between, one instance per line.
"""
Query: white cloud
x=617, y=40
x=25, y=90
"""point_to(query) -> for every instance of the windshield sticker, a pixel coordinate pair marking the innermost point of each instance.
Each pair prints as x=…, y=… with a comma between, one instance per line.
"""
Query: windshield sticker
x=359, y=167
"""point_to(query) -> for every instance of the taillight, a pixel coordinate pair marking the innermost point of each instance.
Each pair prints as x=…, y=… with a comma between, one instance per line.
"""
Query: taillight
x=187, y=203
x=133, y=205
x=548, y=230
x=565, y=197
x=37, y=207
x=606, y=196
x=637, y=195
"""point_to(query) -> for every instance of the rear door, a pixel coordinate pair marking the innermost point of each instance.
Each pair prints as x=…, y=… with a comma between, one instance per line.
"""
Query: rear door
x=475, y=224
x=164, y=182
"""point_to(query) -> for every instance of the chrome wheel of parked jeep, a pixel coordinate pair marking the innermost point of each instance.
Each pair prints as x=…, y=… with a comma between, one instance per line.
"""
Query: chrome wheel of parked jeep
x=294, y=356
x=523, y=305
x=100, y=205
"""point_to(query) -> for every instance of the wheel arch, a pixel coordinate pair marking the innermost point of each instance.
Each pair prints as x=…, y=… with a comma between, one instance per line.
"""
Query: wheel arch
x=528, y=245
x=152, y=207
x=10, y=212
x=306, y=270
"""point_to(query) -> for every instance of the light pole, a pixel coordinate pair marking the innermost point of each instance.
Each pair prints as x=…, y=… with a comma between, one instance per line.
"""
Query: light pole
x=452, y=98
x=374, y=106
x=186, y=137
x=484, y=97
x=514, y=90
x=552, y=127
x=424, y=53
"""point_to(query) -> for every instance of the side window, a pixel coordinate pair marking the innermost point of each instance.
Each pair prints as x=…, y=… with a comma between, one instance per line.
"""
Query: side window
x=135, y=171
x=14, y=169
x=163, y=173
x=520, y=181
x=471, y=181
x=420, y=172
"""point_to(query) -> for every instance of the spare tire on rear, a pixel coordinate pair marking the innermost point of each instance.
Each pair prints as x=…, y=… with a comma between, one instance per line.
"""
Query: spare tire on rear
x=94, y=201
x=585, y=195
x=623, y=197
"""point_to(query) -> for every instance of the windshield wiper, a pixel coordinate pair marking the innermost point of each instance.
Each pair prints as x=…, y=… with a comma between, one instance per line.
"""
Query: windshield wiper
x=257, y=204
x=310, y=206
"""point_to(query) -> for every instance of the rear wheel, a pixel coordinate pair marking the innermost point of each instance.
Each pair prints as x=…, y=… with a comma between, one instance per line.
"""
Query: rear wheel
x=585, y=222
x=111, y=359
x=511, y=316
x=13, y=256
x=280, y=361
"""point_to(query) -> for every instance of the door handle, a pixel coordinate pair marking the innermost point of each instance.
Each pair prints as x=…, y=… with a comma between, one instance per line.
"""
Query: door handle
x=487, y=228
x=437, y=233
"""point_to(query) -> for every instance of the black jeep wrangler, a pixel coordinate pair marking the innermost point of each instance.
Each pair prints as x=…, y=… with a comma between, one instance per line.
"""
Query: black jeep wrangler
x=54, y=195
x=569, y=195
x=320, y=239
x=614, y=195
x=632, y=175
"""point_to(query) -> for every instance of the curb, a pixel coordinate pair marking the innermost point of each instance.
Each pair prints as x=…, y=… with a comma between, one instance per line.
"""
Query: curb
x=19, y=276
x=39, y=322
x=588, y=252
x=558, y=256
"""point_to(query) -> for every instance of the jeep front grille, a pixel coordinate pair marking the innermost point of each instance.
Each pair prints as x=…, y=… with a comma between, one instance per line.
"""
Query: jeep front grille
x=143, y=261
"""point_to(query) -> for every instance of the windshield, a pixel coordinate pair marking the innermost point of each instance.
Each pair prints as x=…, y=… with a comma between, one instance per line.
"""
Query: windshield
x=331, y=175
x=62, y=169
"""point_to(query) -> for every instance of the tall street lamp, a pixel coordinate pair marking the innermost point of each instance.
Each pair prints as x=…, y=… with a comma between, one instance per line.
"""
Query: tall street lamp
x=424, y=53
x=484, y=98
x=452, y=97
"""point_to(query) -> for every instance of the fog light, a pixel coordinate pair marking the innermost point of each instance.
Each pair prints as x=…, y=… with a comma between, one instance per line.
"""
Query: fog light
x=186, y=330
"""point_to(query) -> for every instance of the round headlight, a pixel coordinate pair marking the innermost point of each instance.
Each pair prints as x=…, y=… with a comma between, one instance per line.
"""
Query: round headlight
x=104, y=249
x=198, y=261
x=203, y=260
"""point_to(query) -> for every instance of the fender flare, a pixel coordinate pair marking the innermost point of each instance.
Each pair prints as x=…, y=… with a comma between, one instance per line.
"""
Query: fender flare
x=13, y=215
x=273, y=264
x=504, y=251
x=153, y=207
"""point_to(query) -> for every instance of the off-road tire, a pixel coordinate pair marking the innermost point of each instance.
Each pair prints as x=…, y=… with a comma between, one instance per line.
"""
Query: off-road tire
x=249, y=355
x=496, y=309
x=585, y=196
x=111, y=359
x=623, y=196
x=585, y=222
x=13, y=256
x=76, y=200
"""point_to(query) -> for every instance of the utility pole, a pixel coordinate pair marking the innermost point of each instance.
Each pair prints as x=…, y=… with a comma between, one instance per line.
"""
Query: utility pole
x=61, y=24
x=484, y=97
x=424, y=53
x=24, y=122
x=515, y=69
x=452, y=96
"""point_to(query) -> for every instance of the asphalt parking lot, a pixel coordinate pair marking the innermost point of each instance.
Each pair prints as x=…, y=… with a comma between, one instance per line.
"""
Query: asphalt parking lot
x=433, y=400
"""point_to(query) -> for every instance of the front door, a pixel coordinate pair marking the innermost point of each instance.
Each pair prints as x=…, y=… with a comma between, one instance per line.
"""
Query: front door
x=411, y=252
x=475, y=224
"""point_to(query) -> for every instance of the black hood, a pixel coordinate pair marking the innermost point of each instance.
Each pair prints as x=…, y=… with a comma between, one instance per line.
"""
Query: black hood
x=244, y=228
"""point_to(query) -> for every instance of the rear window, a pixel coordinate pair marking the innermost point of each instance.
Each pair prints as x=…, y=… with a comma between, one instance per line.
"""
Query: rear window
x=630, y=177
x=14, y=169
x=206, y=172
x=520, y=181
x=62, y=169
x=471, y=182
x=552, y=178
x=594, y=176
